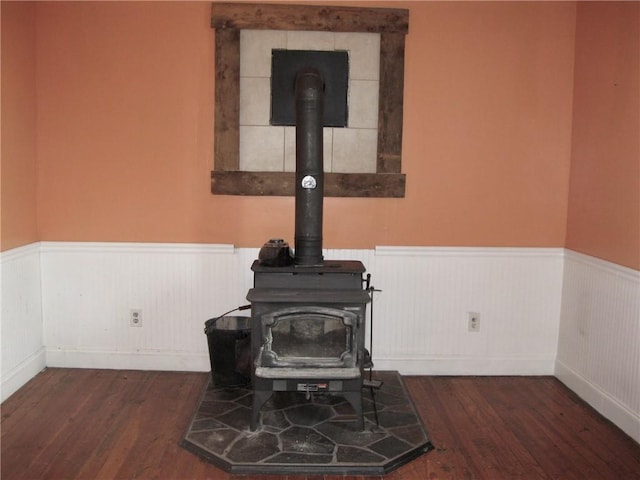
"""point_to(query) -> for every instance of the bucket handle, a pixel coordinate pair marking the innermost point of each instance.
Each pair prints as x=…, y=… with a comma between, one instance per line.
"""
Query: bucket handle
x=240, y=308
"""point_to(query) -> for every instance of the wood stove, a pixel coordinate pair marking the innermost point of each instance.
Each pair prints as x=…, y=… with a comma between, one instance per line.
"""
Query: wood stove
x=308, y=314
x=308, y=331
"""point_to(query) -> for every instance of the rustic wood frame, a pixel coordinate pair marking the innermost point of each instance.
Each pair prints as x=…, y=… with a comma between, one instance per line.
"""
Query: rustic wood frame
x=229, y=18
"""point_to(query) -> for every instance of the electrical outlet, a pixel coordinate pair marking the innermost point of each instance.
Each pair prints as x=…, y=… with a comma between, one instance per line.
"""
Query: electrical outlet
x=474, y=322
x=135, y=317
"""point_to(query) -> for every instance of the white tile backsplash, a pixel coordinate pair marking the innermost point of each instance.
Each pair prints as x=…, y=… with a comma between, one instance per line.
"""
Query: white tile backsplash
x=363, y=103
x=354, y=150
x=261, y=149
x=272, y=148
x=301, y=40
x=255, y=51
x=289, y=149
x=364, y=54
x=255, y=102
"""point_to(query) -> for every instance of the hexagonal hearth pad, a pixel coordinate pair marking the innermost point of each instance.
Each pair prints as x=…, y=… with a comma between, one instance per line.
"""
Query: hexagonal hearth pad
x=315, y=435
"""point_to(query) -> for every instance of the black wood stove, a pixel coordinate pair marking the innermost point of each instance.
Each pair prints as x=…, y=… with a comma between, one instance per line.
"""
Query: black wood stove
x=308, y=331
x=308, y=314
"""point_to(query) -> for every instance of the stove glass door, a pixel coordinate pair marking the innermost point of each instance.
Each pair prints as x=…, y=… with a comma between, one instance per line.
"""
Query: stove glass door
x=310, y=336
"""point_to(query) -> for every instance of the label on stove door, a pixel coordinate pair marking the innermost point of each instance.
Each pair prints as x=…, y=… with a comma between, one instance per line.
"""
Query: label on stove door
x=312, y=387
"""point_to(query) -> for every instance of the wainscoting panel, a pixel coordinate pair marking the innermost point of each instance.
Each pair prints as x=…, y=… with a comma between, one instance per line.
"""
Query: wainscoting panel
x=542, y=311
x=599, y=344
x=23, y=353
x=420, y=316
x=89, y=290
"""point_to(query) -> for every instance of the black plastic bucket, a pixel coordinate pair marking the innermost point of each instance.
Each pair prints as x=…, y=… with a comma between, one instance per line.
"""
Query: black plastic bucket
x=229, y=340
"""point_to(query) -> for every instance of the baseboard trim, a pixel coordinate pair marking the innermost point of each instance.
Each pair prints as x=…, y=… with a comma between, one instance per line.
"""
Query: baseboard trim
x=458, y=365
x=409, y=365
x=627, y=420
x=119, y=360
x=22, y=373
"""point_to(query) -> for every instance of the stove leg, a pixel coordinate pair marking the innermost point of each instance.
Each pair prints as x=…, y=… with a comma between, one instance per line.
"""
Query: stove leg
x=260, y=397
x=355, y=399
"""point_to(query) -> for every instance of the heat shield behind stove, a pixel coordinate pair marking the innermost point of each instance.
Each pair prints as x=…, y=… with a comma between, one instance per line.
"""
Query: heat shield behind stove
x=334, y=69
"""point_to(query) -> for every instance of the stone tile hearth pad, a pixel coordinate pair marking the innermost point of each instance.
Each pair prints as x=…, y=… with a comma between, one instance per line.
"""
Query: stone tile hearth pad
x=315, y=435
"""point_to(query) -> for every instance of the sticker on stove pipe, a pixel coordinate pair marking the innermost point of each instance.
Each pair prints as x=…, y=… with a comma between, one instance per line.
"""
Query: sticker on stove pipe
x=309, y=182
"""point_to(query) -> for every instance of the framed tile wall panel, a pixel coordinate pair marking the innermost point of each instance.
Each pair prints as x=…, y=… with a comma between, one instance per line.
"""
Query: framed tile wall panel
x=228, y=19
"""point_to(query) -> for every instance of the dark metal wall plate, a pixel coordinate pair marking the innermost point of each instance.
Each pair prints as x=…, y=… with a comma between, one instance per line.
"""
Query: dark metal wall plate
x=334, y=68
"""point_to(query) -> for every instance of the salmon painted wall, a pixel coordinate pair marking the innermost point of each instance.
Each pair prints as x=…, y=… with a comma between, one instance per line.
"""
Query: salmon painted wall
x=18, y=126
x=125, y=118
x=604, y=205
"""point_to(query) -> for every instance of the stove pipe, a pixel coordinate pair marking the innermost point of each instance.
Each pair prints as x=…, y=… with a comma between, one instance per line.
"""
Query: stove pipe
x=309, y=95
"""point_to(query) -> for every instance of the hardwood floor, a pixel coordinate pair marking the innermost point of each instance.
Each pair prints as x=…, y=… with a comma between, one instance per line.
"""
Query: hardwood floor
x=106, y=424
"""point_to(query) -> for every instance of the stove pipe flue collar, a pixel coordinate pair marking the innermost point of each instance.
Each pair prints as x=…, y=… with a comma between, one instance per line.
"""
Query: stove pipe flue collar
x=309, y=95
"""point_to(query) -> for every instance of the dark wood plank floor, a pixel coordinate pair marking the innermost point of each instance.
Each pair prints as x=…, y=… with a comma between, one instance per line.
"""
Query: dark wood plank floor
x=105, y=424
